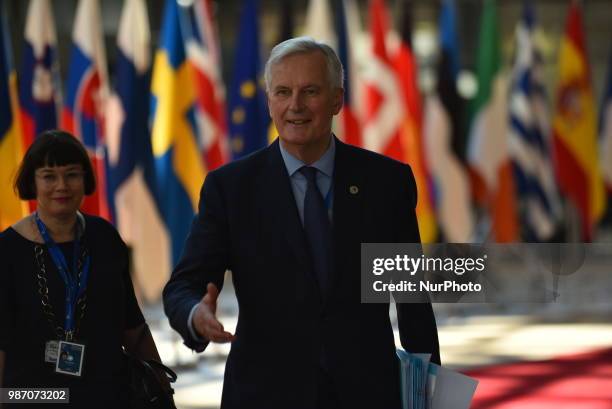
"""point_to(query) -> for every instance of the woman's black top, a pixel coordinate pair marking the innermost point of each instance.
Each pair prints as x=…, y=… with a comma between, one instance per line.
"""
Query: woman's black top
x=111, y=308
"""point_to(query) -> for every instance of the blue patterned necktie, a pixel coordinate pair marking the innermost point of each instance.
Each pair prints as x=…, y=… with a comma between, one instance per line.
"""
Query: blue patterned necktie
x=318, y=229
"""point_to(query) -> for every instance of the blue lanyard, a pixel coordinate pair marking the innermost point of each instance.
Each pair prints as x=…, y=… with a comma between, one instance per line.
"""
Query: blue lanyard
x=75, y=287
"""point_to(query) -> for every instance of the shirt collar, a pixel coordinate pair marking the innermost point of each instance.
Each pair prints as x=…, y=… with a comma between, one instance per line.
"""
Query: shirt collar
x=325, y=164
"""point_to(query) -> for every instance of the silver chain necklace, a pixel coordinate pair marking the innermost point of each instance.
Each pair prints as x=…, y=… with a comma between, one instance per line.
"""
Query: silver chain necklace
x=43, y=291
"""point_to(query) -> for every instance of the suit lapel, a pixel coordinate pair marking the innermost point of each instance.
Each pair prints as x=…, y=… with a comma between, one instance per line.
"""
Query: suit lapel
x=348, y=204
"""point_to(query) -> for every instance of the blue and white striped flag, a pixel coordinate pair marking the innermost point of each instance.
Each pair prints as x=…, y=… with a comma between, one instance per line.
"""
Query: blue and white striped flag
x=132, y=179
x=529, y=139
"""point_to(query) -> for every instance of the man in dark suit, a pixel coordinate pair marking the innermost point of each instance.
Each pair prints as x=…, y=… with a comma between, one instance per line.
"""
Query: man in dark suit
x=288, y=221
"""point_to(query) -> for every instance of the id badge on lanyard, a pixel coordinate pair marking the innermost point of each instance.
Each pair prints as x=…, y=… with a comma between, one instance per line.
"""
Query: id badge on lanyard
x=67, y=357
x=67, y=354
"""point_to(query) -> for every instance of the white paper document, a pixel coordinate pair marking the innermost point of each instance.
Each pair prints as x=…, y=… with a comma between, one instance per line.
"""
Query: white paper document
x=425, y=385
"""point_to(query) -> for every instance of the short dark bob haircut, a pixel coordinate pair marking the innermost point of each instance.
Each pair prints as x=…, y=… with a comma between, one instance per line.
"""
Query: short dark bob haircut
x=52, y=148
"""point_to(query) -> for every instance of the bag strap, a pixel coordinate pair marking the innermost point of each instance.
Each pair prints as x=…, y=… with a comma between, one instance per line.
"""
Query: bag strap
x=152, y=365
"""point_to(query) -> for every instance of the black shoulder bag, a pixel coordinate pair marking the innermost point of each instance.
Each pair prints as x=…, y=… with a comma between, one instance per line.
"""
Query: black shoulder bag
x=145, y=388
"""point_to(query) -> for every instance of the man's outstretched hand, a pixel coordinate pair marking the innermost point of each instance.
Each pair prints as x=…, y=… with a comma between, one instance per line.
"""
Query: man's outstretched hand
x=205, y=320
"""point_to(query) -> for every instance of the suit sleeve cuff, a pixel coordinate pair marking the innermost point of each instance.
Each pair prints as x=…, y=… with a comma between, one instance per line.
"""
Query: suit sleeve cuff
x=192, y=331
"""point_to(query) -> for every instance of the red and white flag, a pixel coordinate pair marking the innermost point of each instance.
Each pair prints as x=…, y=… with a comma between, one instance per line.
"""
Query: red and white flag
x=202, y=46
x=86, y=98
x=384, y=104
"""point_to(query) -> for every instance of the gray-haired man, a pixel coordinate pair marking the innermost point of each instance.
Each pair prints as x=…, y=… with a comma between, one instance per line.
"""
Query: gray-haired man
x=288, y=222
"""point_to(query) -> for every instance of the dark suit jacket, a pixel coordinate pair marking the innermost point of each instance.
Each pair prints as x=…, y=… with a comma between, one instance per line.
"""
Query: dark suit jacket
x=248, y=222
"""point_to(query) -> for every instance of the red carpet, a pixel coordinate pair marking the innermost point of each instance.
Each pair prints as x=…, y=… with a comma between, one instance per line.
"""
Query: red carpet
x=582, y=381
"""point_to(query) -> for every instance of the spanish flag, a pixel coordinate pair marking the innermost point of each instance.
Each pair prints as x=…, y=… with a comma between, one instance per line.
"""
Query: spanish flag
x=11, y=139
x=575, y=128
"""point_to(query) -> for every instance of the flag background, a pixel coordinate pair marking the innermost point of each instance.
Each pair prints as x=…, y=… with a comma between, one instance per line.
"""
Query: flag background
x=411, y=131
x=605, y=138
x=179, y=164
x=383, y=100
x=575, y=128
x=605, y=126
x=40, y=86
x=247, y=110
x=347, y=23
x=529, y=141
x=370, y=83
x=444, y=137
x=132, y=180
x=541, y=340
x=11, y=138
x=86, y=98
x=487, y=144
x=202, y=46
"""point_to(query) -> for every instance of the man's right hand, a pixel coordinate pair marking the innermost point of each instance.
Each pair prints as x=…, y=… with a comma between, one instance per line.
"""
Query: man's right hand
x=205, y=321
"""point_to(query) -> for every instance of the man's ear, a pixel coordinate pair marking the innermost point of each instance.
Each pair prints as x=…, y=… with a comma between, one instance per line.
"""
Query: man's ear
x=268, y=103
x=338, y=100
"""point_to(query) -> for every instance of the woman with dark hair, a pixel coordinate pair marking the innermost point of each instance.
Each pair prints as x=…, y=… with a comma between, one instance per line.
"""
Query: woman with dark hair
x=67, y=304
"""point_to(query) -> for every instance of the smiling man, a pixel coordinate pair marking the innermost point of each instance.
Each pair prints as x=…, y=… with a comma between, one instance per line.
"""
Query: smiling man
x=288, y=221
x=303, y=97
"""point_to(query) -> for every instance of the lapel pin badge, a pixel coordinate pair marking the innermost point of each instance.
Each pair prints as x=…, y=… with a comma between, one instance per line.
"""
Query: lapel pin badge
x=353, y=189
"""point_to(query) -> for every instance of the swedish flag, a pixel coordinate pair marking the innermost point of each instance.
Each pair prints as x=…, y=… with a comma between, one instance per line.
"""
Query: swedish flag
x=179, y=165
x=248, y=116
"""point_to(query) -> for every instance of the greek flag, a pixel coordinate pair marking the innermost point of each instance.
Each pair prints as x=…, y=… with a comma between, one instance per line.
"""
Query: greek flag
x=529, y=139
